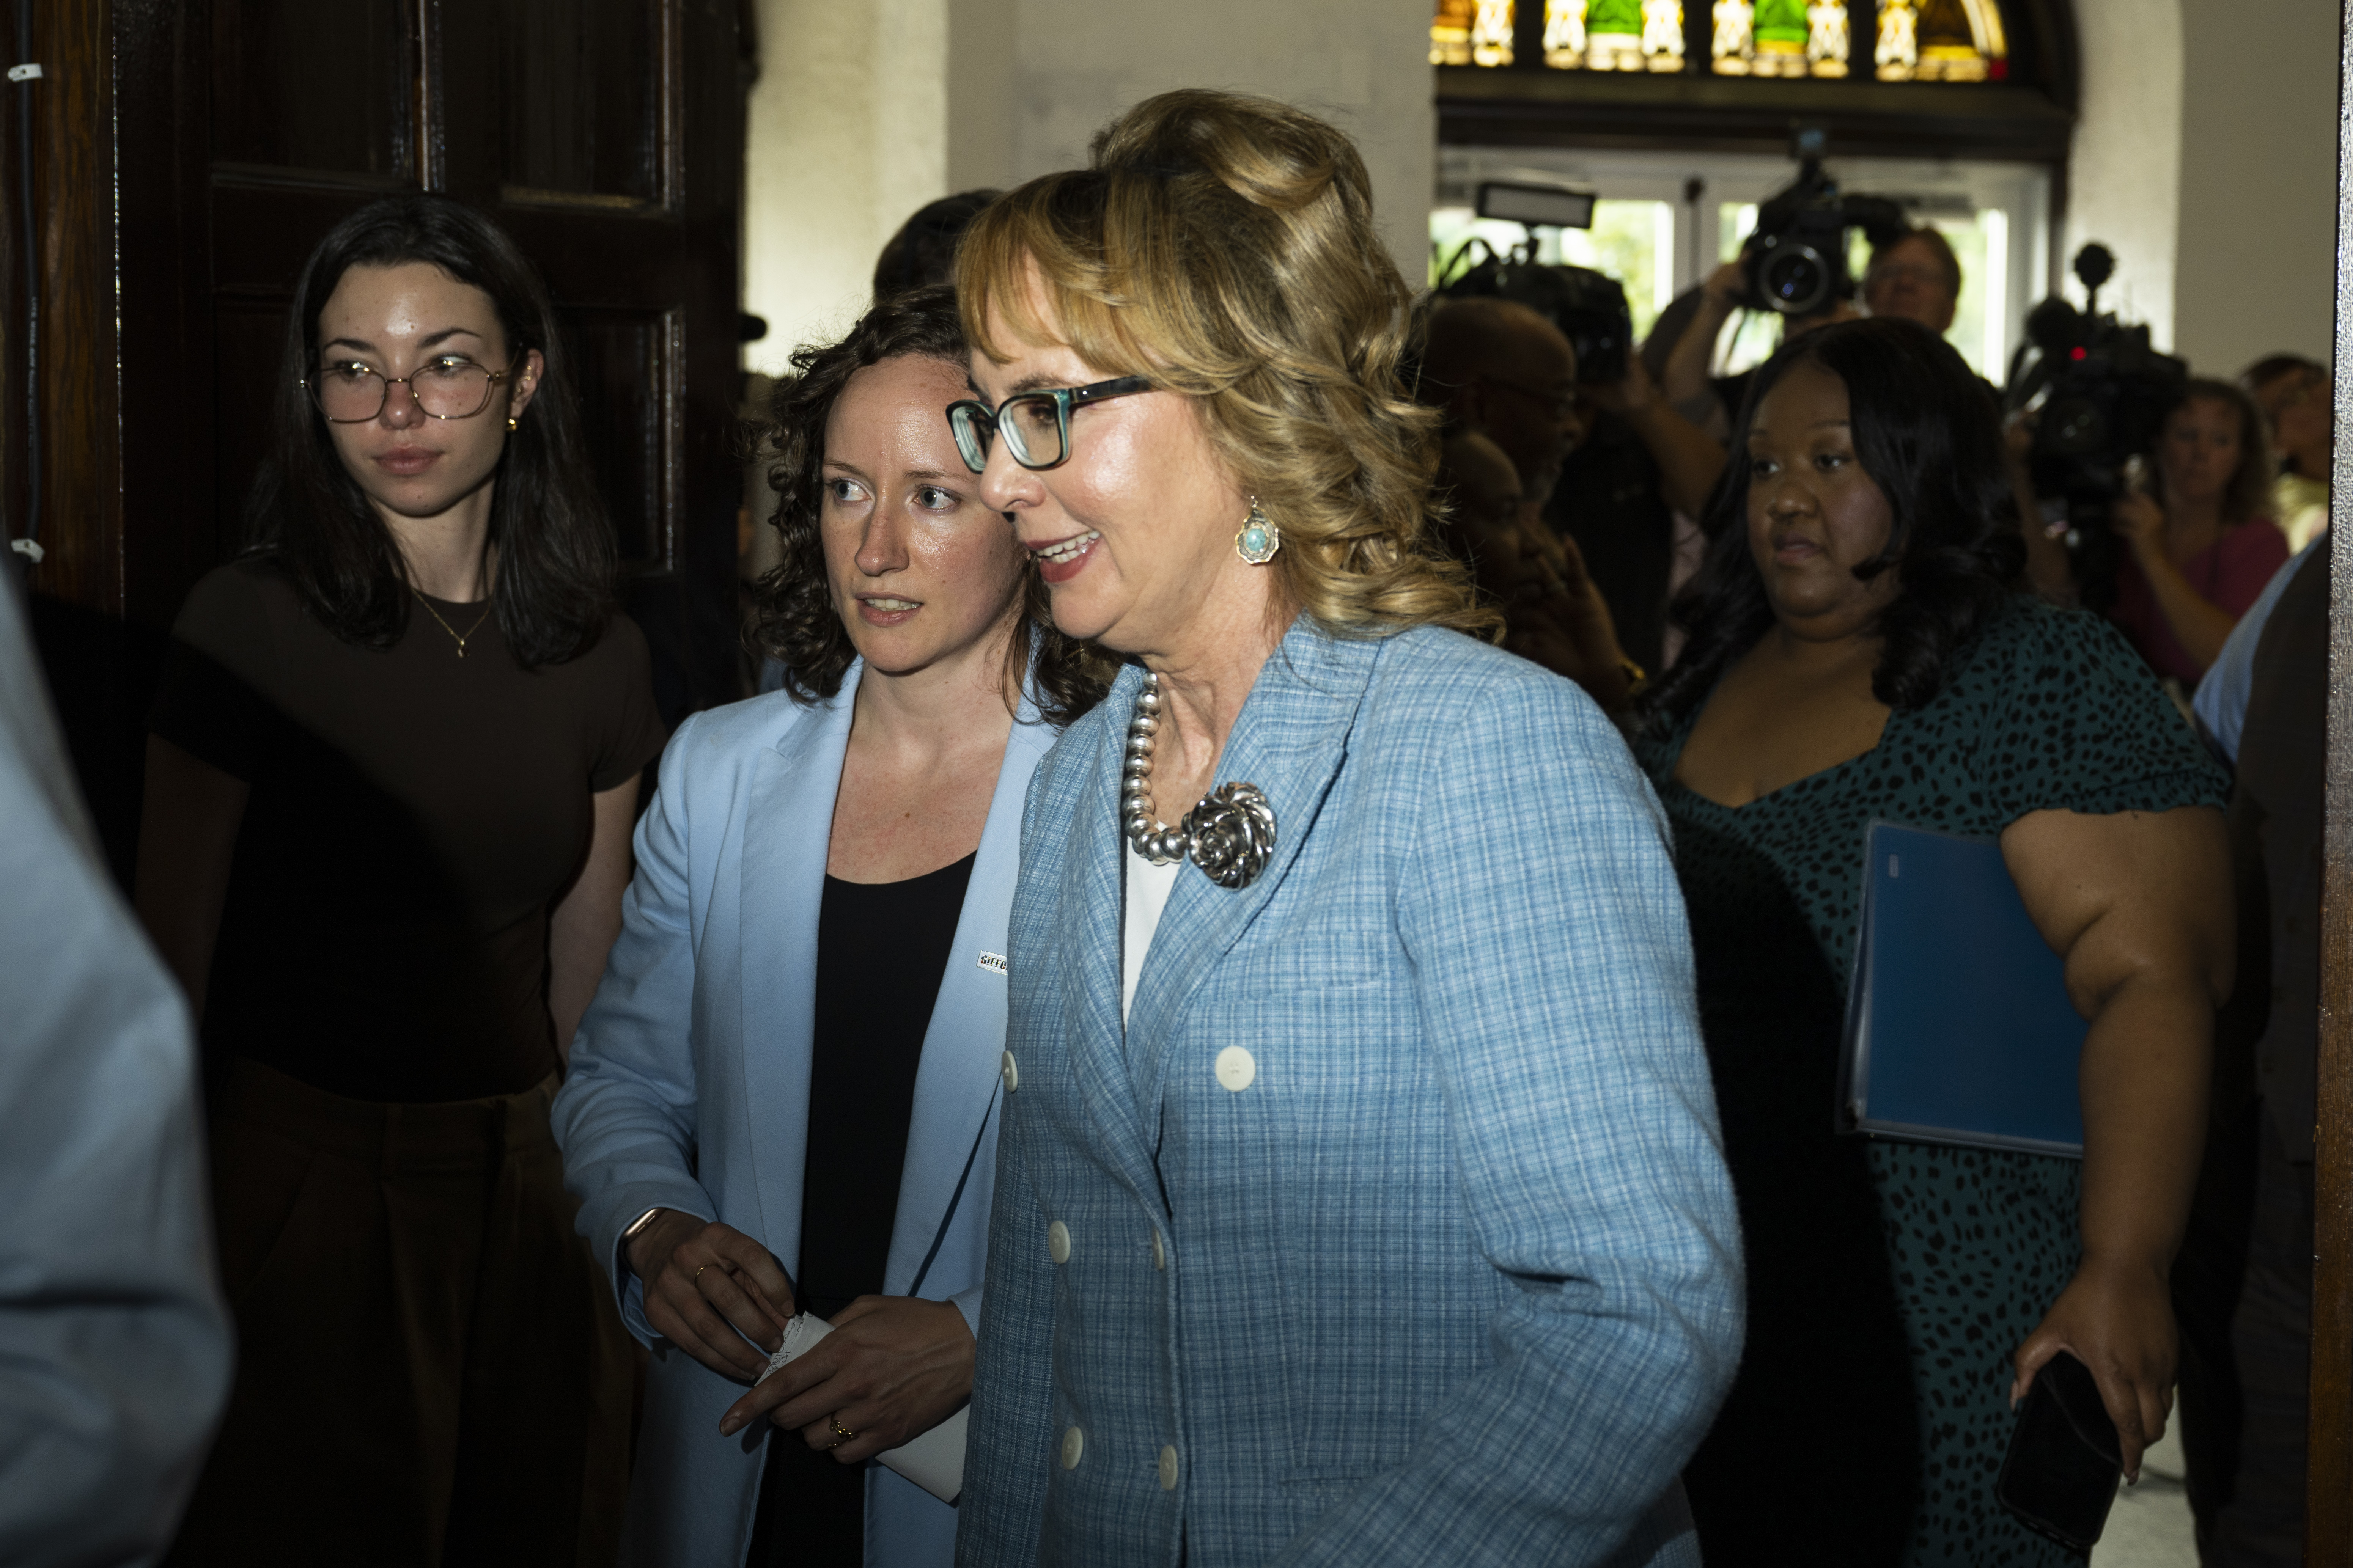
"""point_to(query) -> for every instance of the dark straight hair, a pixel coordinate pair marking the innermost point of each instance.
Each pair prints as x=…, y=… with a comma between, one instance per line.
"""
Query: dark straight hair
x=556, y=556
x=1926, y=431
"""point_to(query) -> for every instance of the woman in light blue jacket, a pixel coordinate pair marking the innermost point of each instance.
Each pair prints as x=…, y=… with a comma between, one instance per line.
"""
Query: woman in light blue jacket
x=1359, y=1196
x=784, y=1097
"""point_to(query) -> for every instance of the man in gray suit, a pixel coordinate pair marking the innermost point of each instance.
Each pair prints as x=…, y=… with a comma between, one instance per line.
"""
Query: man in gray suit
x=114, y=1347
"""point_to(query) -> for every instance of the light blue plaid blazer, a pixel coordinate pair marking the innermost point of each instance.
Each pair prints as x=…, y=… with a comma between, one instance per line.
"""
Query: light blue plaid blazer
x=1455, y=1277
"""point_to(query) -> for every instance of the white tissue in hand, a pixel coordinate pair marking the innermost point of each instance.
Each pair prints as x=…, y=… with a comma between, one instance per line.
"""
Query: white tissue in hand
x=799, y=1334
x=933, y=1460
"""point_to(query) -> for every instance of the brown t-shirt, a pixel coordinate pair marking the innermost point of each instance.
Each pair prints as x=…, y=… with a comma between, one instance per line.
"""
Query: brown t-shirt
x=414, y=814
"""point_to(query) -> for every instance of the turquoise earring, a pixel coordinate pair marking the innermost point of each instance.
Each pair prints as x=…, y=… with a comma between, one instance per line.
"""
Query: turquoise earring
x=1259, y=539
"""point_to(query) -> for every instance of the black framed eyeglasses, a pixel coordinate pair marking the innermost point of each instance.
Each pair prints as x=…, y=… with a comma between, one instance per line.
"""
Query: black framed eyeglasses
x=1037, y=425
x=351, y=392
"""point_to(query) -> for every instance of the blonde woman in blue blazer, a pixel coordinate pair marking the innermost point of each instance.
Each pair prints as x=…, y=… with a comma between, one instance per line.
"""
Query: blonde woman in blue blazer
x=1359, y=1197
x=785, y=1096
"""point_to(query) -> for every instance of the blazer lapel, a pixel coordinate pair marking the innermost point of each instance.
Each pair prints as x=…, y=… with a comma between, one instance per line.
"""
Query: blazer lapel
x=1084, y=822
x=786, y=830
x=956, y=1084
x=1289, y=740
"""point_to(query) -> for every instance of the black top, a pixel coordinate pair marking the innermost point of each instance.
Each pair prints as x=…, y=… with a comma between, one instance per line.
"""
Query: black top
x=413, y=816
x=881, y=951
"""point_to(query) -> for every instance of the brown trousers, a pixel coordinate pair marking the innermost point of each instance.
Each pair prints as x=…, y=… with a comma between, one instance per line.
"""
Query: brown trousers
x=431, y=1370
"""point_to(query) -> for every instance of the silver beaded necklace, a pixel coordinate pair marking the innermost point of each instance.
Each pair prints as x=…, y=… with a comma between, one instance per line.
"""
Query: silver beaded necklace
x=1230, y=835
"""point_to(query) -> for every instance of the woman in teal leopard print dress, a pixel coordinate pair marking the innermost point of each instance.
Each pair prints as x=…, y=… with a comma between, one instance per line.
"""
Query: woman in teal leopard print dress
x=1856, y=655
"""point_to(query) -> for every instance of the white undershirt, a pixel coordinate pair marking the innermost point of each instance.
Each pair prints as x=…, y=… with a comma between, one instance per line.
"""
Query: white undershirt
x=1148, y=887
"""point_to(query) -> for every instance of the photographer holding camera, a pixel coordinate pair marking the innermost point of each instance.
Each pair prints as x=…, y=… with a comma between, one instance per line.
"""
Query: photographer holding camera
x=2200, y=542
x=1795, y=264
x=1713, y=402
x=1914, y=275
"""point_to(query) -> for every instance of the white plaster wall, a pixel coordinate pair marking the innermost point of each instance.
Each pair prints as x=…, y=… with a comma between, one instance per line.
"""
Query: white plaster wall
x=1363, y=64
x=2123, y=181
x=864, y=111
x=2256, y=273
x=848, y=134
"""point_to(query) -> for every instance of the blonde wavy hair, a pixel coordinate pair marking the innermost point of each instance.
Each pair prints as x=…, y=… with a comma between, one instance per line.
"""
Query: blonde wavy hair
x=1223, y=247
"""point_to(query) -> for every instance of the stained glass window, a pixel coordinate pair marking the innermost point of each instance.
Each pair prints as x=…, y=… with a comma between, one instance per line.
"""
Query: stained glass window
x=1614, y=35
x=1940, y=41
x=1578, y=34
x=1472, y=33
x=1781, y=37
x=1909, y=40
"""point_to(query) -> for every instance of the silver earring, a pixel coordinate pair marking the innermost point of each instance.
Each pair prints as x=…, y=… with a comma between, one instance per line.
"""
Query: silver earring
x=1260, y=539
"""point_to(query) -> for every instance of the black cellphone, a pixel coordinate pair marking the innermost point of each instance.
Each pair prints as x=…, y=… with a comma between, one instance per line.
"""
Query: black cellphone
x=2060, y=1475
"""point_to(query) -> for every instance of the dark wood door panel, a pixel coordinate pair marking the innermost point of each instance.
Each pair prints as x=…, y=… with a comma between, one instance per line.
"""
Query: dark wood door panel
x=609, y=259
x=583, y=94
x=566, y=103
x=569, y=120
x=263, y=232
x=625, y=369
x=189, y=153
x=247, y=337
x=298, y=84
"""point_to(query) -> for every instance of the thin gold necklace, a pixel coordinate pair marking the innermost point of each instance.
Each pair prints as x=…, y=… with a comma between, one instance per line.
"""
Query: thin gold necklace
x=446, y=626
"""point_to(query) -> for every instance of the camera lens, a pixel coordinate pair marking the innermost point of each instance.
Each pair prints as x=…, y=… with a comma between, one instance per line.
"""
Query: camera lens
x=1794, y=280
x=2072, y=427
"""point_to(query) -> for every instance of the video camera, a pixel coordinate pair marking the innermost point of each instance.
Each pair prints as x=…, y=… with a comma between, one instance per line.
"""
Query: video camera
x=1795, y=260
x=1588, y=307
x=2103, y=391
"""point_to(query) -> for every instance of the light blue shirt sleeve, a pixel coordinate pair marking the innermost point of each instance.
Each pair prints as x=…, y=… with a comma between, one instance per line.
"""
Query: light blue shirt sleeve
x=114, y=1345
x=2221, y=702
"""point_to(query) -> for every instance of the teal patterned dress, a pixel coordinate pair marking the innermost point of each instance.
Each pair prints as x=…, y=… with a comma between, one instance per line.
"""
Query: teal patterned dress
x=1888, y=1283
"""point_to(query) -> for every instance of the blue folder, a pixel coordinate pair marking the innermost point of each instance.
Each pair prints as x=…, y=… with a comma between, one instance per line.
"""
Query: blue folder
x=1958, y=1028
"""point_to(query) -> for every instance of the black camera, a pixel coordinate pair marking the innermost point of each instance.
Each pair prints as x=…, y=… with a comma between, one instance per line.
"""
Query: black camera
x=1588, y=307
x=1796, y=261
x=2103, y=393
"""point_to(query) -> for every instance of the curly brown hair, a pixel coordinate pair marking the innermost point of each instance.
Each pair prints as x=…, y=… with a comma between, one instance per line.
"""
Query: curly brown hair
x=794, y=618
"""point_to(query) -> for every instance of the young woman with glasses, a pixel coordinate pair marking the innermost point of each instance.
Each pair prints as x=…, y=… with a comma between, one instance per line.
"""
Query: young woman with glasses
x=391, y=773
x=786, y=1094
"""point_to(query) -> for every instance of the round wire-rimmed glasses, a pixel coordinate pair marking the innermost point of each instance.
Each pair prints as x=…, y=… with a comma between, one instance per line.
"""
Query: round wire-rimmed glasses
x=1035, y=424
x=351, y=392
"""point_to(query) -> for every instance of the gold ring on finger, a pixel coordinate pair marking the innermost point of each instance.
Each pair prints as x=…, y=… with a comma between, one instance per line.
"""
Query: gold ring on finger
x=697, y=1280
x=844, y=1433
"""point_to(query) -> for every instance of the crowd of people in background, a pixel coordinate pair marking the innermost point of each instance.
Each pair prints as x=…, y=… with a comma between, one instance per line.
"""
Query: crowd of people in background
x=2219, y=528
x=1280, y=925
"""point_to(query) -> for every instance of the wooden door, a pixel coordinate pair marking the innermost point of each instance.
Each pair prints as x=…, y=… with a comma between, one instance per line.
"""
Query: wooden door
x=605, y=135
